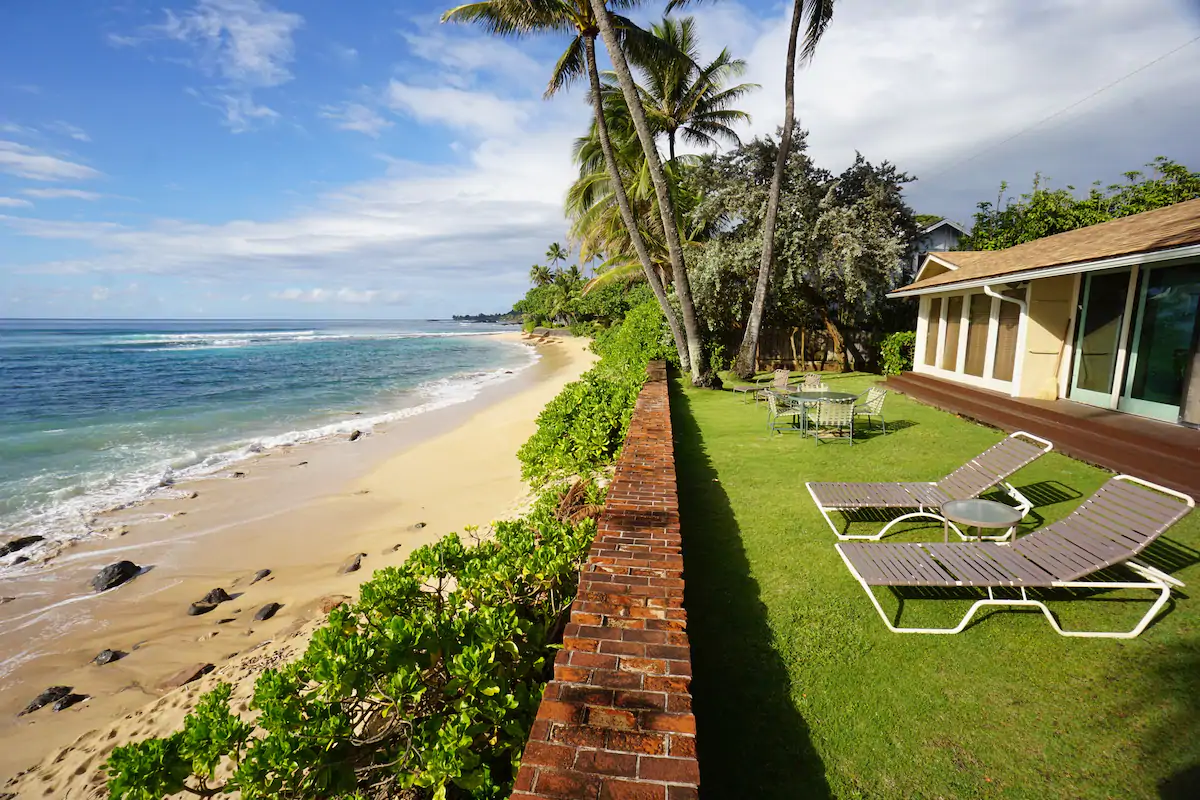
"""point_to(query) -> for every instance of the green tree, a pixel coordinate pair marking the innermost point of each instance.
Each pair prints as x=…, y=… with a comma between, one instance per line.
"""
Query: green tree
x=540, y=275
x=557, y=254
x=578, y=18
x=925, y=220
x=1044, y=211
x=685, y=100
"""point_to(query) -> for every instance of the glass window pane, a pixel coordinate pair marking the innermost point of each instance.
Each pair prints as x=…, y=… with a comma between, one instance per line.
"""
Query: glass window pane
x=1168, y=325
x=931, y=331
x=1098, y=341
x=954, y=309
x=1006, y=341
x=979, y=318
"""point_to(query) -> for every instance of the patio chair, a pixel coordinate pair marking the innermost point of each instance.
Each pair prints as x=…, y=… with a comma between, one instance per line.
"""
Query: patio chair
x=987, y=470
x=777, y=382
x=835, y=417
x=872, y=406
x=1111, y=527
x=812, y=383
x=778, y=416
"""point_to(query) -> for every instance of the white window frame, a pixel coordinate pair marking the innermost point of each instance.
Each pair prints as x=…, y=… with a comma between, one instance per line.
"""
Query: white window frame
x=958, y=375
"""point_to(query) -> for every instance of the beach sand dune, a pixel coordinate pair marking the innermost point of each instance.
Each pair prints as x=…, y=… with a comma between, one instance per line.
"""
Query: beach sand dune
x=301, y=512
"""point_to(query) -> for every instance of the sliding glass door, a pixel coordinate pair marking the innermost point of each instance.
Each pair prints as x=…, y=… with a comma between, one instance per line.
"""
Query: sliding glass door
x=1098, y=342
x=1164, y=341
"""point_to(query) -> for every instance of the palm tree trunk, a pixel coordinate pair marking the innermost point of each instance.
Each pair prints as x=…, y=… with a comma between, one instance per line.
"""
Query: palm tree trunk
x=666, y=206
x=744, y=367
x=635, y=234
x=671, y=145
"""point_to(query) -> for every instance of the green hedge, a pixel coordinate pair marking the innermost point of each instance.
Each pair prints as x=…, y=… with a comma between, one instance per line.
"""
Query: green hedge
x=428, y=685
x=896, y=352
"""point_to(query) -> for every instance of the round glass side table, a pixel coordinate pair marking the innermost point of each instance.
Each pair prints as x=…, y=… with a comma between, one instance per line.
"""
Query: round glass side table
x=980, y=514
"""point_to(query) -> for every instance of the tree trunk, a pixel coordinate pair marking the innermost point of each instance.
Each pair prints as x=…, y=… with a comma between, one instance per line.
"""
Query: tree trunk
x=666, y=206
x=839, y=341
x=744, y=368
x=671, y=146
x=635, y=234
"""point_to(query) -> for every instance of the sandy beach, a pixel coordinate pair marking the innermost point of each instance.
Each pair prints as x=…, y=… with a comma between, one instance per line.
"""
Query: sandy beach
x=300, y=512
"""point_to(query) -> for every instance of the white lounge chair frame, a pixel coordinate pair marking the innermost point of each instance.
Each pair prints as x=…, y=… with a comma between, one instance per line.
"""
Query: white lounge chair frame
x=1155, y=581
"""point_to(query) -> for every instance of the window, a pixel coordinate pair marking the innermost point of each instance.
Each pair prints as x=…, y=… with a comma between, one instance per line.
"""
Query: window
x=931, y=331
x=1006, y=341
x=954, y=309
x=979, y=316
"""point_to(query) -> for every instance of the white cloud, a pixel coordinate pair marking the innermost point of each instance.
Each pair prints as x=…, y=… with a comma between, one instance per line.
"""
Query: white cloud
x=343, y=295
x=56, y=194
x=460, y=53
x=481, y=112
x=67, y=129
x=245, y=41
x=344, y=54
x=100, y=293
x=242, y=113
x=14, y=202
x=356, y=117
x=26, y=162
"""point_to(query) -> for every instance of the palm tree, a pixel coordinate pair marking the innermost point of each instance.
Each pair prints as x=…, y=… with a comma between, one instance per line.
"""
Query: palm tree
x=518, y=18
x=662, y=188
x=539, y=275
x=686, y=100
x=818, y=14
x=557, y=253
x=573, y=274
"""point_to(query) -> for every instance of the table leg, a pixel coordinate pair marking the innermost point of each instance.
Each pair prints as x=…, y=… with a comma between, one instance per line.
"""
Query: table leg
x=945, y=529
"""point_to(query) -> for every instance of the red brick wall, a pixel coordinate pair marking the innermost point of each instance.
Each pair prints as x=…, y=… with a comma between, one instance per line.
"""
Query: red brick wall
x=616, y=722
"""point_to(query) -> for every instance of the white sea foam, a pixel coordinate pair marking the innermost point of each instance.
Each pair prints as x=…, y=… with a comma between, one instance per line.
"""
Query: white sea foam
x=71, y=514
x=227, y=339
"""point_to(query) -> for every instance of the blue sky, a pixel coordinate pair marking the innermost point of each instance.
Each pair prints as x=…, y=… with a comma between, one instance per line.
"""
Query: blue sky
x=243, y=158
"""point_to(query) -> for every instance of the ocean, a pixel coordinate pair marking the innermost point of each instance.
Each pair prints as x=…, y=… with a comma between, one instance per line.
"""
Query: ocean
x=96, y=415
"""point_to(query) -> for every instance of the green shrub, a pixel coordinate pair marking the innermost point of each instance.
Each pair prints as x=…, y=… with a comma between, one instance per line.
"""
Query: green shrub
x=429, y=683
x=897, y=352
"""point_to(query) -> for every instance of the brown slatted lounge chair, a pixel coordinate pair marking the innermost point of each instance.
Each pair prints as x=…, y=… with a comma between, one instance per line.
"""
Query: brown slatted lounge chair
x=988, y=469
x=1110, y=529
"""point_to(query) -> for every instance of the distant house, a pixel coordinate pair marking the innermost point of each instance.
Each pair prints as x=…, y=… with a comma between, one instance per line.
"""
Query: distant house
x=939, y=237
x=1105, y=315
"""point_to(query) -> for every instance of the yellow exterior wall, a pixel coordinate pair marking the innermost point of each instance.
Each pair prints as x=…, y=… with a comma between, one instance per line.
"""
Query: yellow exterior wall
x=1051, y=301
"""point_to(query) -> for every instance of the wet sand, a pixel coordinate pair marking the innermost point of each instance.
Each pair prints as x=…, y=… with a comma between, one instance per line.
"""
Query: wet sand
x=300, y=512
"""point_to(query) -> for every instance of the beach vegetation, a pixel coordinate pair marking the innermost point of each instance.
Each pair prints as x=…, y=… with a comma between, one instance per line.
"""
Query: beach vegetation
x=425, y=688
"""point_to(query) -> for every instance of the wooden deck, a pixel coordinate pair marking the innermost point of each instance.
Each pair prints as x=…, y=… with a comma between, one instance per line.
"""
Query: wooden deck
x=1156, y=451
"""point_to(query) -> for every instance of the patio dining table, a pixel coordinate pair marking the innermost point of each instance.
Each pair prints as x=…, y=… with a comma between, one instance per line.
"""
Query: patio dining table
x=802, y=400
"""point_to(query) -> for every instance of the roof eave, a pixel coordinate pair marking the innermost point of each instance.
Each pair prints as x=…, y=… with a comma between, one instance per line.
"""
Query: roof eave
x=1113, y=262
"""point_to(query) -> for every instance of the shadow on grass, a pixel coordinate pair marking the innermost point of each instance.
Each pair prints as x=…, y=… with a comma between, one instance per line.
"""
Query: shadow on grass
x=752, y=741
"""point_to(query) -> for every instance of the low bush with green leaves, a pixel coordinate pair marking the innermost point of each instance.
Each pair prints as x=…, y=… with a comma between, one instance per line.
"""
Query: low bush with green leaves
x=581, y=430
x=425, y=688
x=897, y=352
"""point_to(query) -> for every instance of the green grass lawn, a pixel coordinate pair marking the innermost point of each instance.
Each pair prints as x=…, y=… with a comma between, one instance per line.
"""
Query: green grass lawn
x=800, y=691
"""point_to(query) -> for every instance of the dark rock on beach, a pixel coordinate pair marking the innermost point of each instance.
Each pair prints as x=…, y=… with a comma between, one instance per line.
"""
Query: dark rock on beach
x=19, y=544
x=185, y=676
x=51, y=695
x=239, y=474
x=20, y=559
x=200, y=607
x=267, y=611
x=418, y=526
x=352, y=564
x=114, y=575
x=354, y=437
x=258, y=576
x=215, y=596
x=331, y=601
x=107, y=657
x=68, y=701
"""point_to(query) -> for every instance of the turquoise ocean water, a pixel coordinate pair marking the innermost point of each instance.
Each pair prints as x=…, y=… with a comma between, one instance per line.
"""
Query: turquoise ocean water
x=95, y=415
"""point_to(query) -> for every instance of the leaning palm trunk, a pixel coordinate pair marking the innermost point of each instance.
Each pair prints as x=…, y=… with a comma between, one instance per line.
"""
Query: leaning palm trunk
x=662, y=190
x=618, y=186
x=744, y=366
x=819, y=14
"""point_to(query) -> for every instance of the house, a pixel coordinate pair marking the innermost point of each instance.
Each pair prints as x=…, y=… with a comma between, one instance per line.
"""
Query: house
x=1104, y=316
x=939, y=237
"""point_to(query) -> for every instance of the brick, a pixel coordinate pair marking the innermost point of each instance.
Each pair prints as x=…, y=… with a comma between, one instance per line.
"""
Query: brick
x=662, y=721
x=613, y=718
x=524, y=781
x=647, y=666
x=682, y=746
x=657, y=683
x=566, y=784
x=670, y=770
x=616, y=680
x=587, y=695
x=636, y=649
x=559, y=712
x=679, y=793
x=592, y=660
x=602, y=762
x=651, y=744
x=631, y=790
x=571, y=674
x=581, y=736
x=540, y=754
x=679, y=702
x=640, y=700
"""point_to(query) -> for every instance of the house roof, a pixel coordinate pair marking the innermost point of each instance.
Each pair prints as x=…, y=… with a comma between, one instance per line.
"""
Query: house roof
x=944, y=221
x=1163, y=229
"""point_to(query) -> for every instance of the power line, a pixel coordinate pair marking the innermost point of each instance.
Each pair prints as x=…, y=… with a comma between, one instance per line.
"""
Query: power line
x=1062, y=111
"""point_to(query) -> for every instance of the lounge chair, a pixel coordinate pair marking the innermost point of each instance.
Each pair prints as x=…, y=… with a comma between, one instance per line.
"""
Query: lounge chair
x=1109, y=530
x=872, y=406
x=972, y=479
